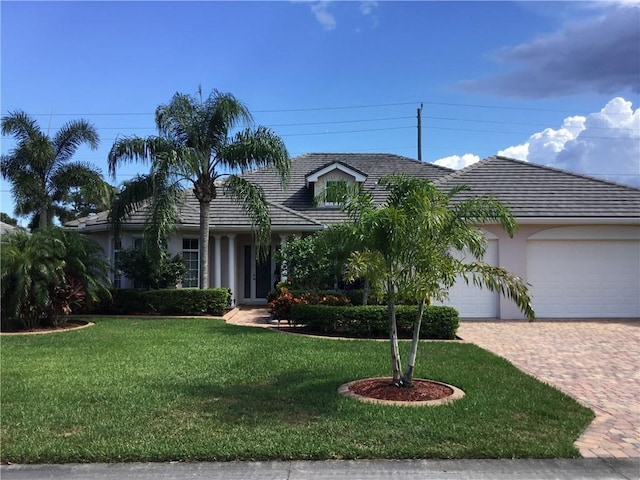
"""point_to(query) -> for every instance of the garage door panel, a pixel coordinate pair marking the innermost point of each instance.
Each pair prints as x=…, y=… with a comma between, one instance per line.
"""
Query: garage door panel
x=584, y=278
x=472, y=301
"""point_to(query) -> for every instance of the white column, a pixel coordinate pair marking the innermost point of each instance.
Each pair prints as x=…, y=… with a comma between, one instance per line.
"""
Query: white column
x=217, y=262
x=283, y=265
x=232, y=267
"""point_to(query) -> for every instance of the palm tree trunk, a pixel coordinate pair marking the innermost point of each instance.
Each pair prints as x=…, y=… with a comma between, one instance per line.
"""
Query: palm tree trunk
x=393, y=336
x=205, y=207
x=365, y=292
x=407, y=379
x=44, y=213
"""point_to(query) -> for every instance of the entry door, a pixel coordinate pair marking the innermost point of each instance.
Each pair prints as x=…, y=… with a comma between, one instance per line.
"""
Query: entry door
x=258, y=276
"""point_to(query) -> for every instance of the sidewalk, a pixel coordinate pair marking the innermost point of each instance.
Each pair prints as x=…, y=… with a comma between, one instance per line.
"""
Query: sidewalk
x=559, y=469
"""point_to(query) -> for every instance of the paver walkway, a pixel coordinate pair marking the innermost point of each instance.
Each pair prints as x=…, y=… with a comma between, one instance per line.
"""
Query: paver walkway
x=597, y=362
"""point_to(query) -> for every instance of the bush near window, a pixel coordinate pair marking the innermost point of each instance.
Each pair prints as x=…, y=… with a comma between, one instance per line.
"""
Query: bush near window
x=439, y=322
x=162, y=272
x=184, y=301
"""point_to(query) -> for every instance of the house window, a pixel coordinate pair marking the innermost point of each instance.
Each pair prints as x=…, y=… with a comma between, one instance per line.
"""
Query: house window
x=117, y=274
x=191, y=256
x=137, y=243
x=331, y=187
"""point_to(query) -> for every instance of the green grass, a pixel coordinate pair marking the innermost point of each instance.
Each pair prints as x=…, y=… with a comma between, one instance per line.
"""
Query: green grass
x=157, y=390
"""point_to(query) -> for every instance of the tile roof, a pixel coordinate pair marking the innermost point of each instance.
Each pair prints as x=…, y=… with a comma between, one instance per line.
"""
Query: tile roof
x=374, y=165
x=6, y=228
x=292, y=206
x=531, y=190
x=534, y=191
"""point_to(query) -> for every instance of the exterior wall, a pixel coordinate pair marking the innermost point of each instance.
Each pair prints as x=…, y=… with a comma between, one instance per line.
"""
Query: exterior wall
x=512, y=252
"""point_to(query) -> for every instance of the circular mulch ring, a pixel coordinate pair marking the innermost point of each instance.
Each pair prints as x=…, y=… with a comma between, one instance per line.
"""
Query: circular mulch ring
x=381, y=391
x=69, y=326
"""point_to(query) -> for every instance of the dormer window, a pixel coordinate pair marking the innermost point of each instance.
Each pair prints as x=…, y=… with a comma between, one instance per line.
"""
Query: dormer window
x=331, y=200
x=331, y=174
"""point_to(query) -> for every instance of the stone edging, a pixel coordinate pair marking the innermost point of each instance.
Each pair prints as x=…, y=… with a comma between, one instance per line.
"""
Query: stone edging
x=456, y=395
x=46, y=332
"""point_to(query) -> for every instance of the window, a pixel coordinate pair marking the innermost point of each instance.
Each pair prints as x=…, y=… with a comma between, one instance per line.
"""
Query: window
x=191, y=256
x=332, y=189
x=137, y=243
x=117, y=275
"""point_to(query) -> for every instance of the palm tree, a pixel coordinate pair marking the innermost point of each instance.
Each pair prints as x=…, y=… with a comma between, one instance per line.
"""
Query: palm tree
x=44, y=274
x=40, y=170
x=406, y=245
x=198, y=144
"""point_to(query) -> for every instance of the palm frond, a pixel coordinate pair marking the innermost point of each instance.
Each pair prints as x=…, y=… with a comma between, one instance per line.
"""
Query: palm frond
x=499, y=280
x=254, y=203
x=21, y=126
x=257, y=148
x=71, y=136
x=76, y=174
x=224, y=113
x=137, y=149
x=132, y=197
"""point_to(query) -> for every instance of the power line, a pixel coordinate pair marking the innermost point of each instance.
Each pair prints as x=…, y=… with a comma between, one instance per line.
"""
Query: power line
x=428, y=127
x=340, y=107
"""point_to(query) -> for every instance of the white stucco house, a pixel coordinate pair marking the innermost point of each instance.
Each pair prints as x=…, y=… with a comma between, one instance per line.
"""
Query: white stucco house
x=578, y=244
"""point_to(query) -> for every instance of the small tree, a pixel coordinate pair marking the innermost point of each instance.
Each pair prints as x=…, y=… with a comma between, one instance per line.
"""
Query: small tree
x=307, y=263
x=405, y=244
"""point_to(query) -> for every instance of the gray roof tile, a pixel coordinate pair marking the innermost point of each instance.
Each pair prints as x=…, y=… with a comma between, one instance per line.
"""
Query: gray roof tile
x=533, y=190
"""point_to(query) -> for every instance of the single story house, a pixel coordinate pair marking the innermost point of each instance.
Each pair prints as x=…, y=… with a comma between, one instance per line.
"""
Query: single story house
x=578, y=244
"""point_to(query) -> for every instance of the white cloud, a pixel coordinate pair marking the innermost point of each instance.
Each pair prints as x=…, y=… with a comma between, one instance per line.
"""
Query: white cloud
x=457, y=162
x=322, y=14
x=369, y=9
x=605, y=144
x=328, y=20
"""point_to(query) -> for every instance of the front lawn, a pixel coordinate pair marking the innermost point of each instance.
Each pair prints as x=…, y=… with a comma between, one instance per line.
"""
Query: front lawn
x=157, y=390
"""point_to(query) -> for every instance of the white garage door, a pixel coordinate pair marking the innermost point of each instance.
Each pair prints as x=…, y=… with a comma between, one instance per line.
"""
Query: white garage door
x=471, y=301
x=584, y=278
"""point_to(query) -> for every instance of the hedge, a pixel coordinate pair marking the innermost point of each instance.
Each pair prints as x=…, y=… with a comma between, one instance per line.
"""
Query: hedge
x=183, y=301
x=438, y=322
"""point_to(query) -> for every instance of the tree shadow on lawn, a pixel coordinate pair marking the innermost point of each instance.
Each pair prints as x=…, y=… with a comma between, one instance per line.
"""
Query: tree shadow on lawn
x=294, y=397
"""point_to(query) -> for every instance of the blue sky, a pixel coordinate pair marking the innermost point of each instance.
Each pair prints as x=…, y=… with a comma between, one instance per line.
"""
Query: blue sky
x=556, y=83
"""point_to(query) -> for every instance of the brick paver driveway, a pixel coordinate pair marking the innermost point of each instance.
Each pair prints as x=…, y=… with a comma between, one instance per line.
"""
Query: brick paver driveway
x=597, y=362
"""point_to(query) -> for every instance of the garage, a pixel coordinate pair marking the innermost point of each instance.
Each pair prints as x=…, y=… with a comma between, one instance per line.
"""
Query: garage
x=585, y=272
x=471, y=301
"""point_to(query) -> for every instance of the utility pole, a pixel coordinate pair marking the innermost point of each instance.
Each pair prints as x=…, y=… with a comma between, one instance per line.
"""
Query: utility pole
x=420, y=132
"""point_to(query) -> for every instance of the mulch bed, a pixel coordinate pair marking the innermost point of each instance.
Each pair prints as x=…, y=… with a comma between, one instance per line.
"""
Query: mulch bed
x=67, y=326
x=382, y=389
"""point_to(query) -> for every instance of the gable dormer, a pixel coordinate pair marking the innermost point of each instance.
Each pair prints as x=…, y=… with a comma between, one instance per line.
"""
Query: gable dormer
x=318, y=180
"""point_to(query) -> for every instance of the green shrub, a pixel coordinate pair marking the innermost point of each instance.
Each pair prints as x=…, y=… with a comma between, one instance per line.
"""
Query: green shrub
x=184, y=301
x=282, y=299
x=372, y=320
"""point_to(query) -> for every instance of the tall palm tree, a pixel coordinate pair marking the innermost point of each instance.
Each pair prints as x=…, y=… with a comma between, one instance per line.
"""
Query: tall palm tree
x=406, y=245
x=200, y=142
x=40, y=168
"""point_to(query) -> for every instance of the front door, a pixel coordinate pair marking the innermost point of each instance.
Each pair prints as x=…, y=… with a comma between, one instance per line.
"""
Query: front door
x=258, y=276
